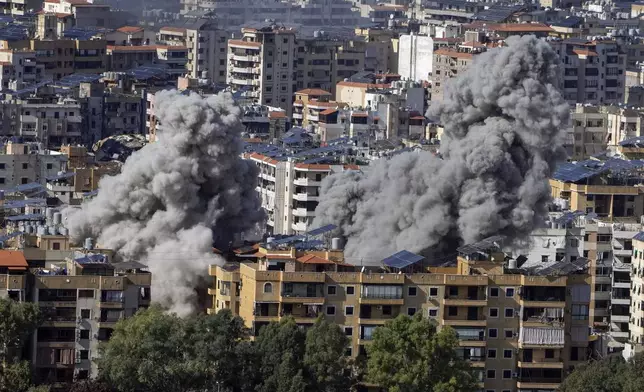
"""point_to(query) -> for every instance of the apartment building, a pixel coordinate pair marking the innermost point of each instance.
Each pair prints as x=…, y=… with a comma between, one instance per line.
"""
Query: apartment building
x=290, y=191
x=519, y=330
x=354, y=93
x=607, y=188
x=207, y=50
x=51, y=25
x=415, y=56
x=52, y=124
x=322, y=61
x=594, y=71
x=381, y=49
x=635, y=342
x=18, y=7
x=262, y=65
x=19, y=69
x=308, y=104
x=447, y=64
x=336, y=123
x=86, y=14
x=171, y=35
x=91, y=56
x=27, y=163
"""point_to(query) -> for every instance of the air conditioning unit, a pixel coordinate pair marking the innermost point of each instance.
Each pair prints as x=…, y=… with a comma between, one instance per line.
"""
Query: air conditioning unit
x=515, y=375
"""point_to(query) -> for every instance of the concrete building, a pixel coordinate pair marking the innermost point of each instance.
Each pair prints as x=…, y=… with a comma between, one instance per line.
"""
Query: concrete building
x=635, y=342
x=19, y=69
x=594, y=71
x=289, y=191
x=207, y=50
x=354, y=93
x=28, y=163
x=447, y=64
x=415, y=57
x=18, y=7
x=262, y=66
x=86, y=14
x=50, y=25
x=519, y=331
x=307, y=107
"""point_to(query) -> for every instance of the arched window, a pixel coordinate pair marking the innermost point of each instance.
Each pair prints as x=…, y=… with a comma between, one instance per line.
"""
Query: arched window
x=268, y=287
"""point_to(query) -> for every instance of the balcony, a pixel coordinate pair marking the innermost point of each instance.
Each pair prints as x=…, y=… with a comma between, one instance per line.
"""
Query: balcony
x=313, y=117
x=531, y=337
x=465, y=302
x=602, y=295
x=61, y=321
x=245, y=70
x=620, y=301
x=305, y=181
x=544, y=364
x=465, y=323
x=532, y=384
x=305, y=197
x=382, y=298
x=622, y=252
x=242, y=82
x=619, y=318
x=300, y=226
x=297, y=116
x=303, y=212
x=245, y=57
x=622, y=284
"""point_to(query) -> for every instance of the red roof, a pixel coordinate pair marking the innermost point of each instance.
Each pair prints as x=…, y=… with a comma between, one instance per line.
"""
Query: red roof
x=313, y=259
x=313, y=91
x=329, y=111
x=364, y=85
x=13, y=259
x=130, y=29
x=276, y=114
x=244, y=43
x=584, y=52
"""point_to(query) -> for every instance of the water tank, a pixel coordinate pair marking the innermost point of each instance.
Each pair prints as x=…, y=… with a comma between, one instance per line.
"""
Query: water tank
x=30, y=229
x=88, y=244
x=316, y=34
x=336, y=243
x=512, y=264
x=559, y=226
x=49, y=213
x=42, y=230
x=270, y=240
x=51, y=230
x=553, y=225
x=63, y=231
x=58, y=218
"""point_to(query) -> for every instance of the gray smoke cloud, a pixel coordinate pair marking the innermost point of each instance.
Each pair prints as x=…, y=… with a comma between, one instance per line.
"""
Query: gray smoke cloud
x=502, y=137
x=176, y=197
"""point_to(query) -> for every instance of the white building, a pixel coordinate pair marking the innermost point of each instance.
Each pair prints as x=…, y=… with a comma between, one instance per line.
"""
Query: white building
x=26, y=163
x=86, y=14
x=207, y=48
x=635, y=342
x=415, y=57
x=290, y=191
x=18, y=69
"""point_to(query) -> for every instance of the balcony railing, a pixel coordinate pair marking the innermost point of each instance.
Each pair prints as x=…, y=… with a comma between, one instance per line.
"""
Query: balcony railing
x=382, y=296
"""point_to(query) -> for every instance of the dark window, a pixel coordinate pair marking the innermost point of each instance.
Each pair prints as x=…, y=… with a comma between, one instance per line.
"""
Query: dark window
x=494, y=291
x=351, y=290
x=84, y=354
x=330, y=310
x=550, y=353
x=348, y=310
x=411, y=311
x=507, y=373
x=411, y=291
x=330, y=290
x=25, y=165
x=492, y=332
x=507, y=353
x=50, y=166
x=55, y=246
x=509, y=312
x=86, y=313
x=84, y=334
x=348, y=331
x=433, y=291
x=491, y=353
x=491, y=373
x=453, y=291
x=386, y=310
x=85, y=293
x=452, y=311
x=509, y=334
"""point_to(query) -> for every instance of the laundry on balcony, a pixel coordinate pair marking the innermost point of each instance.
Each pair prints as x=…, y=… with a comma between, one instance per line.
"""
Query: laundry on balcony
x=542, y=336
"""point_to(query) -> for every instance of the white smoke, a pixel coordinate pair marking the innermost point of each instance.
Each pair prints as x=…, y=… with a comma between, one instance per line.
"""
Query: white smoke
x=503, y=119
x=175, y=197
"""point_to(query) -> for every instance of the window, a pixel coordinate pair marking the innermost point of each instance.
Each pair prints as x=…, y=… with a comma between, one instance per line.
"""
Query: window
x=494, y=291
x=550, y=353
x=580, y=312
x=411, y=291
x=84, y=334
x=492, y=333
x=544, y=259
x=1, y=180
x=50, y=166
x=348, y=331
x=2, y=167
x=574, y=242
x=494, y=312
x=25, y=165
x=411, y=311
x=508, y=333
x=507, y=353
x=491, y=353
x=509, y=292
x=433, y=312
x=348, y=310
x=330, y=310
x=24, y=180
x=453, y=291
x=507, y=374
x=83, y=375
x=491, y=373
x=452, y=311
x=55, y=245
x=85, y=293
x=509, y=312
x=386, y=310
x=330, y=290
x=351, y=290
x=86, y=313
x=433, y=291
x=268, y=287
x=84, y=354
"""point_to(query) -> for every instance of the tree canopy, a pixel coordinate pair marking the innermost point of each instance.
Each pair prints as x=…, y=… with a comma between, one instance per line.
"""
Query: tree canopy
x=410, y=355
x=611, y=374
x=18, y=320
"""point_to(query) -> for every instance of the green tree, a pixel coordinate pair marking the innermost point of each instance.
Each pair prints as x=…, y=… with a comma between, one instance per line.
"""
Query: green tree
x=18, y=320
x=280, y=347
x=325, y=358
x=90, y=386
x=597, y=376
x=409, y=355
x=634, y=378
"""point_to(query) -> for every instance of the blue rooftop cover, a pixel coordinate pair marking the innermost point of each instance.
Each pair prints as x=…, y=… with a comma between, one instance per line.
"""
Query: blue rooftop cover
x=22, y=203
x=308, y=244
x=92, y=259
x=25, y=187
x=287, y=240
x=91, y=193
x=10, y=236
x=25, y=217
x=322, y=230
x=639, y=236
x=402, y=259
x=634, y=141
x=569, y=217
x=60, y=176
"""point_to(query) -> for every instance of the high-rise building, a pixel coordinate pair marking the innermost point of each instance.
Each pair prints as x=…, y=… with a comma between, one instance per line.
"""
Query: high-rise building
x=207, y=47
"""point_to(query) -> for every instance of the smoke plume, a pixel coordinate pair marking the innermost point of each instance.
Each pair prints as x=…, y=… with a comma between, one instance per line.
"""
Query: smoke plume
x=176, y=197
x=502, y=137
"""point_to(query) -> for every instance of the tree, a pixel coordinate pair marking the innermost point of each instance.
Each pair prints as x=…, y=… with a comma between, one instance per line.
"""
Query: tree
x=325, y=358
x=409, y=355
x=597, y=376
x=281, y=348
x=90, y=386
x=18, y=320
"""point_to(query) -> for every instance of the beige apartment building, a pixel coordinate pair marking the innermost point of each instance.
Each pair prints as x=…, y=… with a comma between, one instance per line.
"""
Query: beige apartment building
x=82, y=294
x=519, y=331
x=636, y=321
x=448, y=63
x=207, y=49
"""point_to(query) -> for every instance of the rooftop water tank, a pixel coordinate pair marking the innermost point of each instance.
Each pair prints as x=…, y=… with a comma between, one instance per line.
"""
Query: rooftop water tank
x=49, y=213
x=51, y=230
x=512, y=264
x=63, y=231
x=88, y=244
x=336, y=243
x=42, y=230
x=58, y=218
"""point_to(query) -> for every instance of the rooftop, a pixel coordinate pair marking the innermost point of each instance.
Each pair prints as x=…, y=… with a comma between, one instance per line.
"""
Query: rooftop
x=13, y=260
